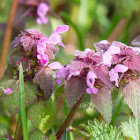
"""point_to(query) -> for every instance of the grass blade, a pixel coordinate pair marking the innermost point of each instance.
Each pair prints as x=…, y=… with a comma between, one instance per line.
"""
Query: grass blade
x=22, y=104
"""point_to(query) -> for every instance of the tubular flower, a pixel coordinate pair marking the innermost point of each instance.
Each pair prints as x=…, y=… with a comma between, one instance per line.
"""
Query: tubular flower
x=86, y=65
x=42, y=10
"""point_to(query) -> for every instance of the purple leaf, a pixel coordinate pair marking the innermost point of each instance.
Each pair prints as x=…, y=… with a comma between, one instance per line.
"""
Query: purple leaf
x=16, y=41
x=102, y=45
x=103, y=74
x=103, y=103
x=44, y=79
x=74, y=89
x=132, y=96
x=133, y=63
x=55, y=65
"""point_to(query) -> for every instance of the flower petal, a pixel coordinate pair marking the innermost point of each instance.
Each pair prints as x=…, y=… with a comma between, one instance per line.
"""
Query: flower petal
x=8, y=90
x=61, y=29
x=55, y=65
x=91, y=78
x=120, y=68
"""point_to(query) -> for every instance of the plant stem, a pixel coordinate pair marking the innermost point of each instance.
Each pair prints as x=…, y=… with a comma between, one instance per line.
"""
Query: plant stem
x=69, y=118
x=7, y=36
x=18, y=133
x=118, y=29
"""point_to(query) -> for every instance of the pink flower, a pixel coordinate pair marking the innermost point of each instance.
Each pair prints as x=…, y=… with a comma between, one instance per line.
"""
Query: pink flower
x=114, y=73
x=107, y=56
x=61, y=72
x=45, y=47
x=43, y=59
x=7, y=90
x=42, y=10
x=91, y=76
x=55, y=38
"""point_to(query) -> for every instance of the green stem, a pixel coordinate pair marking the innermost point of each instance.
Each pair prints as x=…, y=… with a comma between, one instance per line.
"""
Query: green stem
x=18, y=133
x=117, y=110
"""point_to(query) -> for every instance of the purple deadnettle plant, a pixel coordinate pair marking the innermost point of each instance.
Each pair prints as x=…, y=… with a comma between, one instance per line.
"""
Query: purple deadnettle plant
x=113, y=65
x=35, y=51
x=95, y=73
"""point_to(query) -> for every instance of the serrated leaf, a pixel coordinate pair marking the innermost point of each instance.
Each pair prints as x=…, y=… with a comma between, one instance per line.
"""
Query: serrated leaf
x=132, y=128
x=11, y=102
x=14, y=57
x=52, y=137
x=44, y=79
x=59, y=91
x=74, y=89
x=86, y=102
x=102, y=131
x=132, y=96
x=103, y=103
x=37, y=135
x=42, y=114
x=9, y=71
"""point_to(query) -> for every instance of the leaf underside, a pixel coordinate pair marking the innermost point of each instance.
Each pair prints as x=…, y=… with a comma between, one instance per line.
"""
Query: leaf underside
x=132, y=96
x=103, y=103
x=74, y=89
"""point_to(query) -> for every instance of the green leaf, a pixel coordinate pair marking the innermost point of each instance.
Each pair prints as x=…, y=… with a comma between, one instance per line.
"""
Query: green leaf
x=74, y=89
x=59, y=91
x=11, y=102
x=42, y=114
x=103, y=103
x=3, y=139
x=132, y=128
x=22, y=104
x=132, y=96
x=52, y=137
x=86, y=102
x=6, y=82
x=37, y=135
x=116, y=107
x=102, y=131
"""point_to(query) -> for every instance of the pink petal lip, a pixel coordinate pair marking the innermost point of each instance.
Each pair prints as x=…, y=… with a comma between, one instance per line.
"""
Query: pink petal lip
x=8, y=91
x=55, y=65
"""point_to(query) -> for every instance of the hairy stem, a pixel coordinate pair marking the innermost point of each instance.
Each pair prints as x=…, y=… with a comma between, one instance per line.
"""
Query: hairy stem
x=118, y=29
x=18, y=133
x=7, y=36
x=69, y=118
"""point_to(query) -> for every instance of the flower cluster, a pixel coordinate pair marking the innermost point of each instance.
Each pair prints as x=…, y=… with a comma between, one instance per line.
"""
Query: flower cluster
x=35, y=51
x=112, y=63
